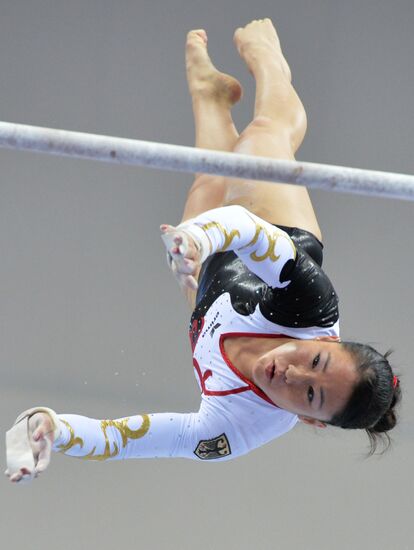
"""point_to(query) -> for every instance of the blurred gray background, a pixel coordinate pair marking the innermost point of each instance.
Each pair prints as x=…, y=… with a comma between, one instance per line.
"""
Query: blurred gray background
x=92, y=322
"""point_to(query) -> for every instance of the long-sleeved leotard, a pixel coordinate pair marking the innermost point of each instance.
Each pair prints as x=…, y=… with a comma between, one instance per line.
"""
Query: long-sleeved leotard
x=257, y=281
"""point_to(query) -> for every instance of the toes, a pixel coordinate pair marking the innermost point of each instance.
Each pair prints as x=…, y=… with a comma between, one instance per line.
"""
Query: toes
x=202, y=34
x=197, y=35
x=237, y=33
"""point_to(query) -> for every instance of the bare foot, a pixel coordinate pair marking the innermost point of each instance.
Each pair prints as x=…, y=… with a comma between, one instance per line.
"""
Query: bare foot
x=204, y=80
x=257, y=42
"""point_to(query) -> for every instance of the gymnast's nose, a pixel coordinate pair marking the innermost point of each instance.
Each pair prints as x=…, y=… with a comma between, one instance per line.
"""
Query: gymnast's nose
x=298, y=374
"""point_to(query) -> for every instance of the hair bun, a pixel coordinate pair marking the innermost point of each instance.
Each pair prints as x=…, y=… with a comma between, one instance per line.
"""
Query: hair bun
x=389, y=420
x=386, y=423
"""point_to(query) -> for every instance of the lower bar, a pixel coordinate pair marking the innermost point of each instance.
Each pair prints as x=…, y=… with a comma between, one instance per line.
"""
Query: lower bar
x=188, y=159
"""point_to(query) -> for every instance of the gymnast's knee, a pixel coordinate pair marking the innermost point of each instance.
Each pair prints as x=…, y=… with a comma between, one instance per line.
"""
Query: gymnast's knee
x=289, y=125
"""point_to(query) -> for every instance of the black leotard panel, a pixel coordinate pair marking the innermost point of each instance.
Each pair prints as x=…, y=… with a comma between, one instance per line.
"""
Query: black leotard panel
x=309, y=299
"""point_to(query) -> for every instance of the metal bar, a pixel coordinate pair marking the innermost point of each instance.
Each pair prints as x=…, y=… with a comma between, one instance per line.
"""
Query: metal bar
x=188, y=159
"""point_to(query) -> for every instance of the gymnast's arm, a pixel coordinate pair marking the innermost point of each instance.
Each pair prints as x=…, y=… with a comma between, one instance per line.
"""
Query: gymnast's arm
x=141, y=436
x=265, y=249
x=203, y=435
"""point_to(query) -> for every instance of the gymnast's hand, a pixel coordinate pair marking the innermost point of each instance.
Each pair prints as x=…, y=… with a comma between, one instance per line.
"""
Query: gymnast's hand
x=183, y=255
x=38, y=438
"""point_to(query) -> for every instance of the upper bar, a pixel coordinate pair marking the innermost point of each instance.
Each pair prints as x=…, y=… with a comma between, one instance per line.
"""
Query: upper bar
x=188, y=159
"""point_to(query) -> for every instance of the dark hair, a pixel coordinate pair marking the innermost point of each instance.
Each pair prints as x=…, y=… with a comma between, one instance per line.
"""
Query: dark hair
x=371, y=406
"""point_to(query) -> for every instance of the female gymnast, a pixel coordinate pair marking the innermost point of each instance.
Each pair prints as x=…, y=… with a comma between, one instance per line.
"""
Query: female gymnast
x=264, y=330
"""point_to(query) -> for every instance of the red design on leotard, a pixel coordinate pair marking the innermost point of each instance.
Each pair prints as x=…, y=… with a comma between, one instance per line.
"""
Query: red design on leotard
x=206, y=375
x=194, y=332
x=249, y=384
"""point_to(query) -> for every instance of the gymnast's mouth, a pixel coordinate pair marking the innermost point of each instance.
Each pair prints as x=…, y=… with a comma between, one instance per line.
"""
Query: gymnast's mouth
x=270, y=371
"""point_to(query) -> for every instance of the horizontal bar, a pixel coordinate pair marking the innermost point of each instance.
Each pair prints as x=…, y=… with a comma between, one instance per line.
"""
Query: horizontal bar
x=189, y=159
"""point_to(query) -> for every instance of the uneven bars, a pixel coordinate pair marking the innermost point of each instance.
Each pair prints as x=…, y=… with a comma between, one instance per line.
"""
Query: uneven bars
x=188, y=159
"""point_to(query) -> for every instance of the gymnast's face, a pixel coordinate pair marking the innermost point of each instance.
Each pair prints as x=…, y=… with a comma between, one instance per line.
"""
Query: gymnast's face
x=311, y=378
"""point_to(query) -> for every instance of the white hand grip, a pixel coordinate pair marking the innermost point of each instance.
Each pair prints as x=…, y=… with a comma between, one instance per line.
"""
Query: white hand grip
x=18, y=445
x=19, y=451
x=168, y=240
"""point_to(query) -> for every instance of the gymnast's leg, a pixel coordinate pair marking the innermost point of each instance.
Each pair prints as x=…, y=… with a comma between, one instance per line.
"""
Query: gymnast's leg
x=277, y=130
x=213, y=95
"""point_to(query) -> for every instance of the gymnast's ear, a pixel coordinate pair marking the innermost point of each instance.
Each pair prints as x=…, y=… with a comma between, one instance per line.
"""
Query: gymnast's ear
x=312, y=422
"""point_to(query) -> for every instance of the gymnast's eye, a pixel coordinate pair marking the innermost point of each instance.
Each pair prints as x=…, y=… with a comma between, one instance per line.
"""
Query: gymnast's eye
x=316, y=361
x=311, y=393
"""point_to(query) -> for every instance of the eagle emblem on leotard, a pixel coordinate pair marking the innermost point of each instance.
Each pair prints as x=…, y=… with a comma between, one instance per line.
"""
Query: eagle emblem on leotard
x=218, y=447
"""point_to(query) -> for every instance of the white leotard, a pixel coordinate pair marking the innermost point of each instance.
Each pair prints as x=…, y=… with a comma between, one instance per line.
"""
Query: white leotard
x=235, y=416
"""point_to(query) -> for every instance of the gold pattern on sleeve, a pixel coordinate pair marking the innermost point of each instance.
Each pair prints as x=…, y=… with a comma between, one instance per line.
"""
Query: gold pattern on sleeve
x=228, y=237
x=270, y=252
x=272, y=240
x=255, y=238
x=126, y=434
x=72, y=441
